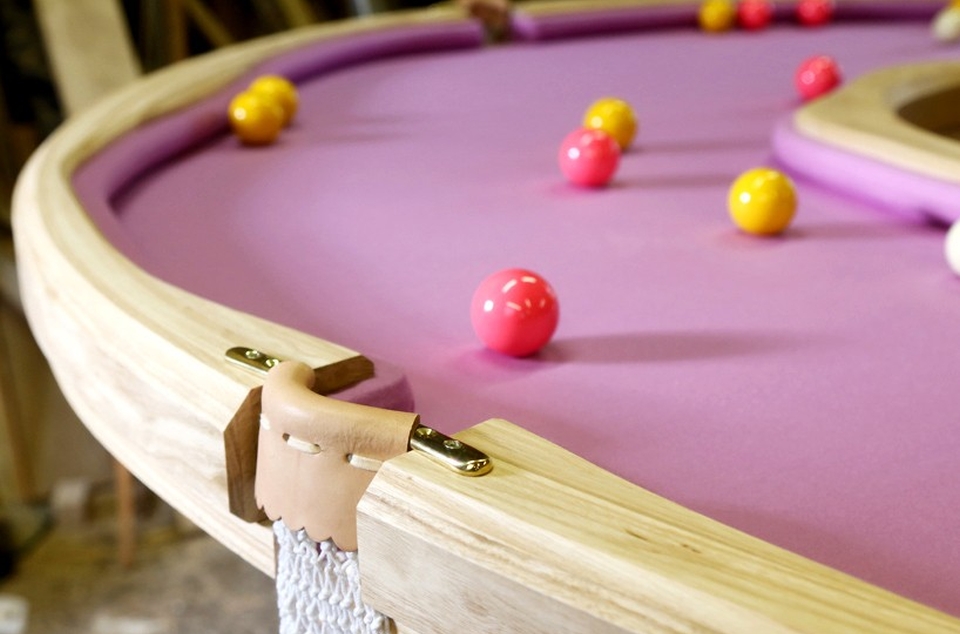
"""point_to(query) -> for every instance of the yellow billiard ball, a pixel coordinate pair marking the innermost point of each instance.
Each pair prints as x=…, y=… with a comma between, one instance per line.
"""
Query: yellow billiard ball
x=717, y=15
x=255, y=118
x=615, y=117
x=762, y=201
x=282, y=90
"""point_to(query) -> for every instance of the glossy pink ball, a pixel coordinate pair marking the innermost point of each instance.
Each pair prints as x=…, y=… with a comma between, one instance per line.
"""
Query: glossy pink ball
x=814, y=12
x=817, y=76
x=754, y=15
x=515, y=312
x=589, y=157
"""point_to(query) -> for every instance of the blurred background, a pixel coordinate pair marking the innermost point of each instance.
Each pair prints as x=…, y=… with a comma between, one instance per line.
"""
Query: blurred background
x=83, y=547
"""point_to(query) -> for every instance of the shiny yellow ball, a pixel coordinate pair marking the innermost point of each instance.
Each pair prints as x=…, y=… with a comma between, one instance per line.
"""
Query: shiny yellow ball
x=762, y=201
x=615, y=117
x=282, y=90
x=716, y=16
x=255, y=119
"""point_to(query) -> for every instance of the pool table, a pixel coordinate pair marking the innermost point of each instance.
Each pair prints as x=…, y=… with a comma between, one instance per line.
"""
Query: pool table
x=727, y=433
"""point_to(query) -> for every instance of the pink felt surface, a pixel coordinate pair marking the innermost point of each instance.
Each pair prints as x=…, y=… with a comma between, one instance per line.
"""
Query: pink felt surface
x=802, y=389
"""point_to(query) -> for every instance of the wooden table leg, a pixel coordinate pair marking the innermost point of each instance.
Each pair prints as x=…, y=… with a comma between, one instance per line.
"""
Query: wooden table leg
x=17, y=458
x=126, y=514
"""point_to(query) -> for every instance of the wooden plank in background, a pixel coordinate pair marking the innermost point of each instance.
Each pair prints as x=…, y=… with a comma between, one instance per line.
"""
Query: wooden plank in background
x=89, y=48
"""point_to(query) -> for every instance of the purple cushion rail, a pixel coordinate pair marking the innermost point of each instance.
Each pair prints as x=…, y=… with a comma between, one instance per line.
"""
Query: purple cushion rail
x=529, y=26
x=103, y=180
x=881, y=185
x=801, y=389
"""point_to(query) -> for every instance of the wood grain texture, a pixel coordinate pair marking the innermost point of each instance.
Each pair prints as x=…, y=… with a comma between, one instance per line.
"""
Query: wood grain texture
x=16, y=477
x=95, y=28
x=863, y=117
x=141, y=362
x=208, y=23
x=297, y=12
x=548, y=542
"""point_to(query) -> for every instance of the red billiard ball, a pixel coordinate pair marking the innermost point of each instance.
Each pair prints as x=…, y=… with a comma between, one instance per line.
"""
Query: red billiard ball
x=515, y=312
x=589, y=157
x=814, y=12
x=754, y=14
x=817, y=76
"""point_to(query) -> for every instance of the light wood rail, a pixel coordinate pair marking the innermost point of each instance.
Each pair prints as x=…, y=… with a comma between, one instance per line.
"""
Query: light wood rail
x=556, y=543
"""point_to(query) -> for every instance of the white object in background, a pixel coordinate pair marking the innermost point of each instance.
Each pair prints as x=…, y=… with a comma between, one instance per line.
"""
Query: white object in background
x=13, y=614
x=951, y=247
x=946, y=25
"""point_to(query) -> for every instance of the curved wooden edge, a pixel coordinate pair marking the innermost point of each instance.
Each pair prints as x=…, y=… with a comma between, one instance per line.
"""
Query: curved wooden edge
x=863, y=118
x=81, y=79
x=140, y=361
x=548, y=542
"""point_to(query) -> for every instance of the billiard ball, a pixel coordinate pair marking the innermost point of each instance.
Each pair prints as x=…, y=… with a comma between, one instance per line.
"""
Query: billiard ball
x=762, y=201
x=615, y=117
x=715, y=16
x=952, y=247
x=817, y=76
x=815, y=12
x=589, y=157
x=255, y=119
x=754, y=14
x=515, y=312
x=946, y=24
x=280, y=89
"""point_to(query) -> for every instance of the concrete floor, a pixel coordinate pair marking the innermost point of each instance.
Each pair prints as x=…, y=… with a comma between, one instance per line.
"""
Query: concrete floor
x=68, y=576
x=181, y=582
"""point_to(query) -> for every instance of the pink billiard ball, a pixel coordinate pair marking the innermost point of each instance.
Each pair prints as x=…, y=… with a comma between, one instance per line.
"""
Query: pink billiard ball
x=817, y=76
x=814, y=12
x=515, y=312
x=589, y=157
x=754, y=14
